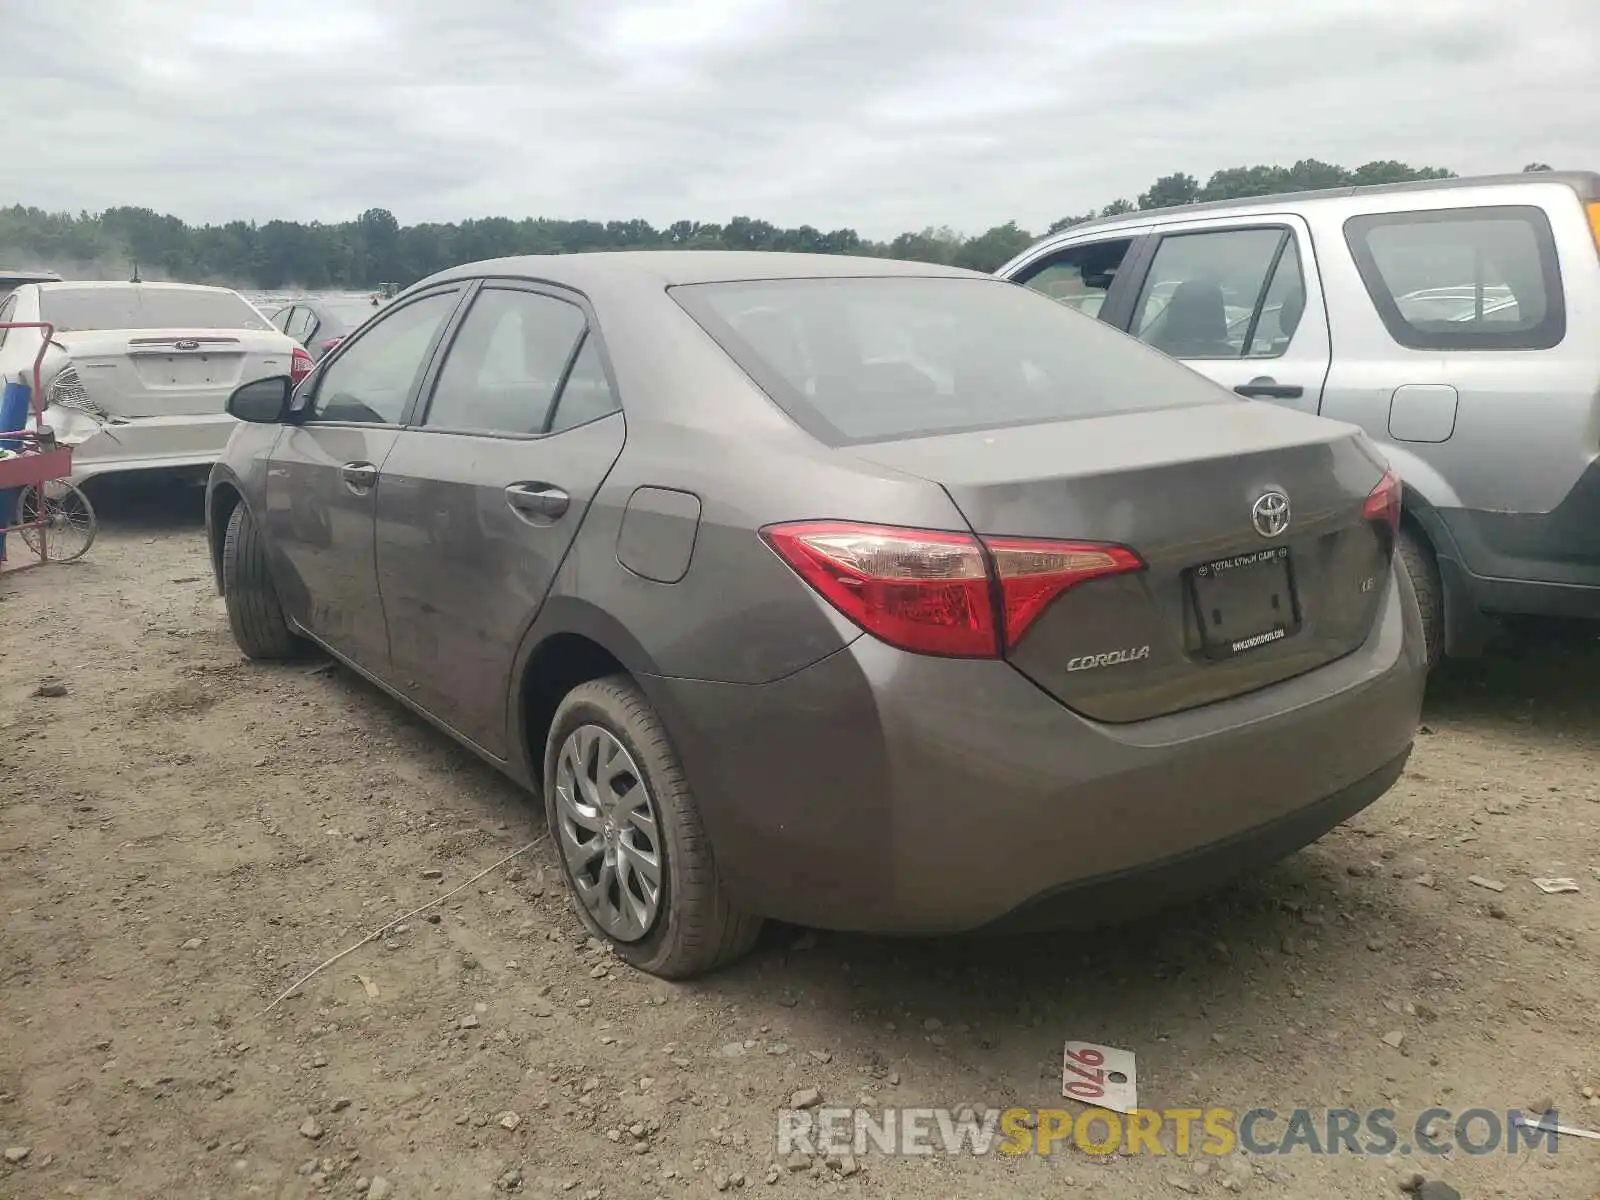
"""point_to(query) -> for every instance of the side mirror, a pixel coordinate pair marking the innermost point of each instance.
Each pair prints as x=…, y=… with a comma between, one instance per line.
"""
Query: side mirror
x=262, y=401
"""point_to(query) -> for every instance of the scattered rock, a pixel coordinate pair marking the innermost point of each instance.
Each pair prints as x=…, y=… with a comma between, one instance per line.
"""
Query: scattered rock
x=508, y=1120
x=342, y=1103
x=1497, y=910
x=773, y=1174
x=933, y=1024
x=798, y=1162
x=51, y=689
x=192, y=944
x=822, y=1056
x=1394, y=1038
x=433, y=873
x=309, y=1128
x=1410, y=1181
x=805, y=1098
x=16, y=1154
x=470, y=1021
x=1494, y=885
x=1436, y=1189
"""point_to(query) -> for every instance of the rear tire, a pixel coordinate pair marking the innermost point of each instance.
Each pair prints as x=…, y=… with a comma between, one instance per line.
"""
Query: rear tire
x=254, y=612
x=693, y=927
x=1420, y=564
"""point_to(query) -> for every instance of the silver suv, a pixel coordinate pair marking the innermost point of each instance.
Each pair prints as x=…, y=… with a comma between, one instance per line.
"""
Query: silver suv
x=1455, y=321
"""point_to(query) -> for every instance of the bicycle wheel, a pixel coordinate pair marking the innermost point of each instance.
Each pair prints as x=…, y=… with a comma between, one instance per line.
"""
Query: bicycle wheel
x=69, y=522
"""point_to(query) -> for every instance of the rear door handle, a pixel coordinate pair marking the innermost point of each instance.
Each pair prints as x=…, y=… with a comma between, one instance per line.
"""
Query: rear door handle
x=359, y=476
x=538, y=499
x=1270, y=389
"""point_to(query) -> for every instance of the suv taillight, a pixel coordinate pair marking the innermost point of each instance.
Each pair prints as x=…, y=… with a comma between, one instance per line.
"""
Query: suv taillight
x=1383, y=503
x=937, y=592
x=300, y=366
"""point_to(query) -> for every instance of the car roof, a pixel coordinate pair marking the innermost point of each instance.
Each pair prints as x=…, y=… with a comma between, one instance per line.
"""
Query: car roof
x=1585, y=183
x=667, y=268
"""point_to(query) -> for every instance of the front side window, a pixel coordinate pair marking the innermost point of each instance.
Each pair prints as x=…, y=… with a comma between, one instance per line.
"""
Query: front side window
x=1462, y=279
x=1079, y=276
x=506, y=363
x=1205, y=290
x=372, y=380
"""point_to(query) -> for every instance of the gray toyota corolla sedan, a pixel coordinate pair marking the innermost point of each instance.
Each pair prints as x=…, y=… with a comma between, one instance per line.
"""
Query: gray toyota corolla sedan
x=861, y=594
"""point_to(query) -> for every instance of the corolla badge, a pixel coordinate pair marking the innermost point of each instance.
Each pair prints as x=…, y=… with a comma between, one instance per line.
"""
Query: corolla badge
x=1270, y=514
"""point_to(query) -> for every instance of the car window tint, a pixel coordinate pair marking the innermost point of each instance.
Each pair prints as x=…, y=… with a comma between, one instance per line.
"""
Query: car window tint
x=146, y=306
x=1203, y=289
x=300, y=323
x=506, y=363
x=867, y=359
x=1079, y=276
x=371, y=381
x=587, y=394
x=1280, y=312
x=1471, y=278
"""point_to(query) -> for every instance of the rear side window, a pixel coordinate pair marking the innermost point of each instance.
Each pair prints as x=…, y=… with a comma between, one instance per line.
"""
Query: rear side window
x=506, y=364
x=1462, y=278
x=133, y=306
x=876, y=358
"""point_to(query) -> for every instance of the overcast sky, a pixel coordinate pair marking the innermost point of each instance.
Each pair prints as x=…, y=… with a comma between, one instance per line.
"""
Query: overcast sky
x=883, y=115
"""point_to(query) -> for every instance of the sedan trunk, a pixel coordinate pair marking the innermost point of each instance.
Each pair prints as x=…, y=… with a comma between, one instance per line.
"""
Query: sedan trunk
x=1227, y=601
x=170, y=373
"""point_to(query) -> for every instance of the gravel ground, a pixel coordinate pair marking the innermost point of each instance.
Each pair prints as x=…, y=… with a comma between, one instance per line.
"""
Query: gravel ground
x=183, y=835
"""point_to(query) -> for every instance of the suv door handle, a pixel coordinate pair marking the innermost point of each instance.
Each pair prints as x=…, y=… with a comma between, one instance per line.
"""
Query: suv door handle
x=359, y=476
x=1266, y=388
x=538, y=499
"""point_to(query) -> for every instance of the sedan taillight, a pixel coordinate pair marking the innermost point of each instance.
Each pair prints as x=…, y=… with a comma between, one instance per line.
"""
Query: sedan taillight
x=300, y=366
x=938, y=592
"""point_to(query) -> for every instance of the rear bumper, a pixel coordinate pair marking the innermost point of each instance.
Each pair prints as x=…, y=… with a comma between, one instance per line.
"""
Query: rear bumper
x=886, y=792
x=174, y=444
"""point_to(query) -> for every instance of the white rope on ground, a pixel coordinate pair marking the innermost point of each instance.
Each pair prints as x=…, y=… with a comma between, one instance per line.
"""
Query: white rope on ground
x=388, y=925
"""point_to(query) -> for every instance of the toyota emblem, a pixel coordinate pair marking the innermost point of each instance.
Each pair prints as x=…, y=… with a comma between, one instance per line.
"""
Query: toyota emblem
x=1270, y=514
x=186, y=344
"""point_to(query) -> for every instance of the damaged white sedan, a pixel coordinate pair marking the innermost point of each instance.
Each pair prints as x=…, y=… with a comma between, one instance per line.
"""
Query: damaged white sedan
x=137, y=375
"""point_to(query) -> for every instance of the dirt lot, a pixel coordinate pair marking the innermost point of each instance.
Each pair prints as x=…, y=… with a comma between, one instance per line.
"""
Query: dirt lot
x=183, y=835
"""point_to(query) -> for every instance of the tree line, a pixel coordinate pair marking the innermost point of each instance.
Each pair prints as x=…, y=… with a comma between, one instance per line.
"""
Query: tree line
x=375, y=249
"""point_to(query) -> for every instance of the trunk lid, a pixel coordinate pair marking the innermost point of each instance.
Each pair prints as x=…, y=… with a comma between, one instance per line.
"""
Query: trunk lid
x=1221, y=608
x=171, y=372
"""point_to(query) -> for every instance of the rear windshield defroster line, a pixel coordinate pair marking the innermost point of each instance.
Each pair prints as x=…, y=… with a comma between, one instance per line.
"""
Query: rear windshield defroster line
x=856, y=359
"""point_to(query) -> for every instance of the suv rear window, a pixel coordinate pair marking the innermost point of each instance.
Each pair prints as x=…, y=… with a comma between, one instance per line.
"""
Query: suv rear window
x=1462, y=278
x=137, y=307
x=861, y=359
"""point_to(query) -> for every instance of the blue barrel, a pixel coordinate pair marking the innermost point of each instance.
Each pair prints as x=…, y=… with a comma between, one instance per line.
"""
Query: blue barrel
x=13, y=419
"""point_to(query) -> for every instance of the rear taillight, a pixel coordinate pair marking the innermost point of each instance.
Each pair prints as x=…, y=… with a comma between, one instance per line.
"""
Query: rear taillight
x=1383, y=502
x=300, y=366
x=1593, y=210
x=330, y=344
x=936, y=592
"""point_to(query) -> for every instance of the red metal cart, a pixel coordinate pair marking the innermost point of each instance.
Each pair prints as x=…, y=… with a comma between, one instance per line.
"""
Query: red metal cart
x=36, y=463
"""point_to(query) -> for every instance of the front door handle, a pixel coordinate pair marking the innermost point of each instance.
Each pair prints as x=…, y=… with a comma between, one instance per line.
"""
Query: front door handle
x=538, y=499
x=1267, y=388
x=359, y=476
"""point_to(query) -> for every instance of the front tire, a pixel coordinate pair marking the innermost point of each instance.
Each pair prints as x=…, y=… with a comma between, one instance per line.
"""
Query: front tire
x=628, y=834
x=254, y=612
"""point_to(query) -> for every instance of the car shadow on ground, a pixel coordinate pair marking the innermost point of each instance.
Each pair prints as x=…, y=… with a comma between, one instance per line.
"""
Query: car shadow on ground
x=1539, y=676
x=155, y=506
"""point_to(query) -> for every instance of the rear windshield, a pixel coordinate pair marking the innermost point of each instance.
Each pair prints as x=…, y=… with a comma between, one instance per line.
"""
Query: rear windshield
x=135, y=307
x=871, y=359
